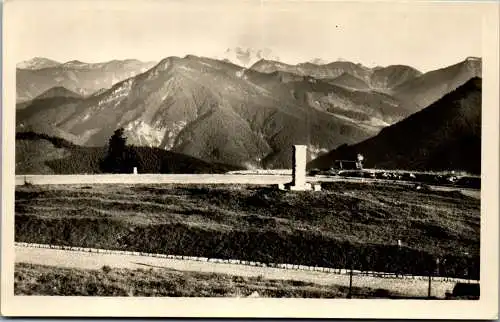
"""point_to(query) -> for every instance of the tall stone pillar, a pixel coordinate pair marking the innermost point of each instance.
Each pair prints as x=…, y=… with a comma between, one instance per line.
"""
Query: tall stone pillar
x=299, y=162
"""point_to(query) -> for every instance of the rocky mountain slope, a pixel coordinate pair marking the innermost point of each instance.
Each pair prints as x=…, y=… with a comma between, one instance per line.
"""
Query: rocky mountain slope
x=349, y=81
x=391, y=76
x=431, y=86
x=367, y=108
x=410, y=87
x=38, y=75
x=446, y=135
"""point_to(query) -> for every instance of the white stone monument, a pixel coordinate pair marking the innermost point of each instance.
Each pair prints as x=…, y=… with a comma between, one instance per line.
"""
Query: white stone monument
x=299, y=162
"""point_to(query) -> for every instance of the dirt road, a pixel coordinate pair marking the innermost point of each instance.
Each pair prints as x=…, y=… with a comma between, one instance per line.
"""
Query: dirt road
x=86, y=260
x=153, y=179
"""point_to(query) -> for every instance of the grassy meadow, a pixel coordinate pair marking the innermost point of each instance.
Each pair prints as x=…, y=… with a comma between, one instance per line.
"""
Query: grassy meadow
x=32, y=279
x=346, y=224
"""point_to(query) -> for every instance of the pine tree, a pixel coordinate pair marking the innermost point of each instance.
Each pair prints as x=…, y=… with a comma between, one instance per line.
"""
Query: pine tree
x=117, y=160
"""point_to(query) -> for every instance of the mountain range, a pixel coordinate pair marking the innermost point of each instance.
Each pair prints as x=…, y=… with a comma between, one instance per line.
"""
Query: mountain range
x=37, y=63
x=35, y=76
x=446, y=135
x=221, y=112
x=423, y=91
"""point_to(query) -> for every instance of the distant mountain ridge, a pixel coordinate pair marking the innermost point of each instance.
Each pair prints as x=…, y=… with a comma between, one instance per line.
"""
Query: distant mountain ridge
x=429, y=87
x=37, y=63
x=40, y=74
x=50, y=96
x=58, y=91
x=446, y=135
x=381, y=78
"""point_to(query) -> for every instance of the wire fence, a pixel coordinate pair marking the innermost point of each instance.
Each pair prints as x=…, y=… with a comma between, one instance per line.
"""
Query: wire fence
x=353, y=274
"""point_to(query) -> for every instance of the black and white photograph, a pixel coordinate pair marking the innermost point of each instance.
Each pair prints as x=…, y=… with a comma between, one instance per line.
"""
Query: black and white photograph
x=300, y=151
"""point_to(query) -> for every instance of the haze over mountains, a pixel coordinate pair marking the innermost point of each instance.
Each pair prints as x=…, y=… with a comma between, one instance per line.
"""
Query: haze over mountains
x=222, y=112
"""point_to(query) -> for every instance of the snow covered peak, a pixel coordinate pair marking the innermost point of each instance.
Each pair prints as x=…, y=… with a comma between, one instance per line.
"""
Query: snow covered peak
x=246, y=57
x=318, y=61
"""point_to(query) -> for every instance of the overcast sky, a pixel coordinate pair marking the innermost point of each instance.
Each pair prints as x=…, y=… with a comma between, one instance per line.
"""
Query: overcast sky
x=426, y=36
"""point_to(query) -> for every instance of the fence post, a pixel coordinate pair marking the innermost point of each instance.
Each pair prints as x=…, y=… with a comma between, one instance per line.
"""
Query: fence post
x=468, y=267
x=430, y=280
x=469, y=275
x=349, y=295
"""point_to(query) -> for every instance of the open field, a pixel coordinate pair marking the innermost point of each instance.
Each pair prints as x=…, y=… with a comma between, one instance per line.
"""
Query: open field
x=347, y=223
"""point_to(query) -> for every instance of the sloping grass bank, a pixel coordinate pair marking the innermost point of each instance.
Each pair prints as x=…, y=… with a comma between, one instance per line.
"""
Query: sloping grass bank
x=47, y=280
x=348, y=224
